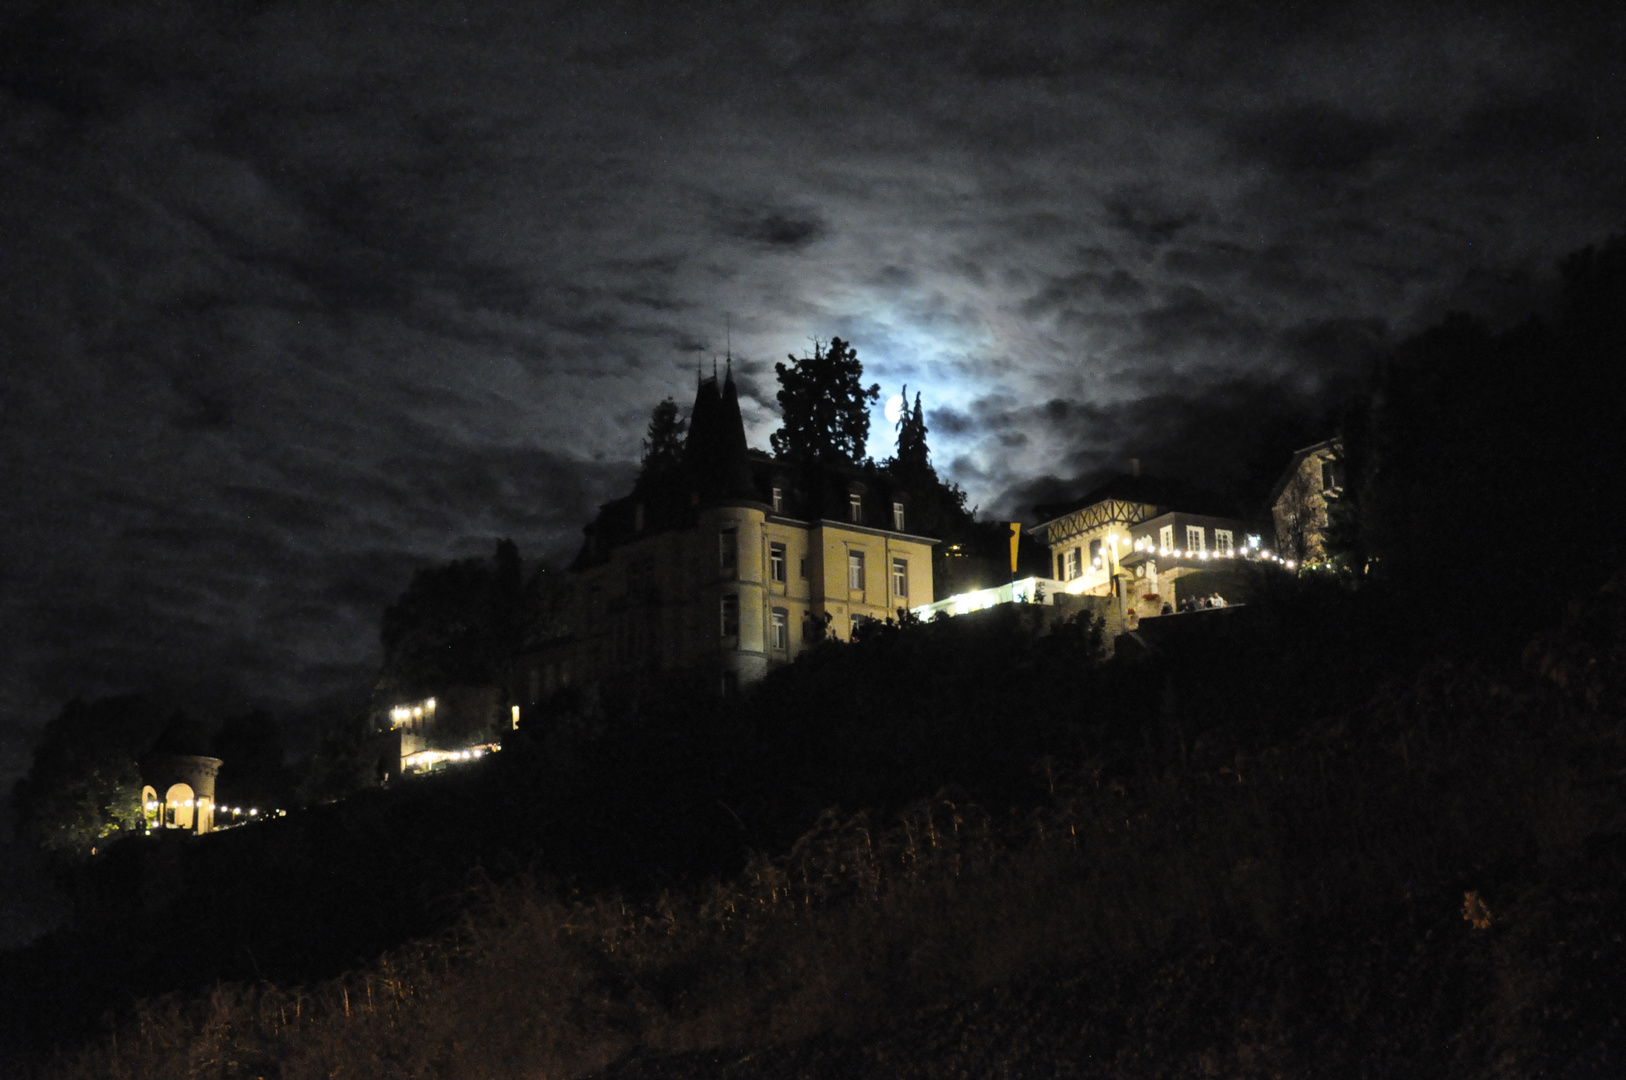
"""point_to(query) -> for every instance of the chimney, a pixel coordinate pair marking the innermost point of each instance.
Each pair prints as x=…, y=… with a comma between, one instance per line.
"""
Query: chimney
x=1134, y=466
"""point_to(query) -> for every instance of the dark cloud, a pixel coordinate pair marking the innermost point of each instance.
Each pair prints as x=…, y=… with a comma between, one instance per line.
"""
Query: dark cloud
x=1315, y=139
x=1518, y=126
x=996, y=61
x=1231, y=435
x=1141, y=212
x=775, y=229
x=949, y=422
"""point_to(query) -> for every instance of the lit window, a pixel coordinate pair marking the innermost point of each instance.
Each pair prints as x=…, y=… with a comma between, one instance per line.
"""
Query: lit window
x=776, y=562
x=731, y=616
x=855, y=508
x=1165, y=537
x=779, y=629
x=855, y=569
x=897, y=516
x=1222, y=541
x=779, y=500
x=1194, y=538
x=728, y=551
x=1253, y=540
x=900, y=578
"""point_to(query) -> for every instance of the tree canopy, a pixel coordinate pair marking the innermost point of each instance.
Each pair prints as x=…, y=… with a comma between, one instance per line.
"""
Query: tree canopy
x=1487, y=459
x=84, y=785
x=253, y=772
x=913, y=459
x=824, y=406
x=663, y=446
x=457, y=624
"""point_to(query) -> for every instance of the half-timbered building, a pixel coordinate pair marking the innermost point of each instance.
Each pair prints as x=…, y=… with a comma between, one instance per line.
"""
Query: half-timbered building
x=1135, y=536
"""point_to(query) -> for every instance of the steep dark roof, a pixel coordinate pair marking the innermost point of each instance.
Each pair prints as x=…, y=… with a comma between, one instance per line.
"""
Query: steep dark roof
x=714, y=454
x=1161, y=492
x=815, y=490
x=809, y=491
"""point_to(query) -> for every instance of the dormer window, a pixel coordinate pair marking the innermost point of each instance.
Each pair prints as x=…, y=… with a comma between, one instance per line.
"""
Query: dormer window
x=778, y=500
x=855, y=508
x=897, y=517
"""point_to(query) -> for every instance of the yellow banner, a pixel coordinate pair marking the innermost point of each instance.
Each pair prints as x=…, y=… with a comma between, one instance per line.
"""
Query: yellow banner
x=1016, y=533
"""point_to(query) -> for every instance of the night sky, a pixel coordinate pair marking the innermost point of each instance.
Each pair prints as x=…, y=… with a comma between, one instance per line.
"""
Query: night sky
x=299, y=298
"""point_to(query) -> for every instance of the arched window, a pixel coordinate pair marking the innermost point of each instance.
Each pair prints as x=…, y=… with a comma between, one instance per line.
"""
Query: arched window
x=179, y=805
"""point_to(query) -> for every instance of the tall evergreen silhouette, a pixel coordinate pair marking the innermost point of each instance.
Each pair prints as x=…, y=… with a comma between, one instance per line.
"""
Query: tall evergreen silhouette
x=824, y=405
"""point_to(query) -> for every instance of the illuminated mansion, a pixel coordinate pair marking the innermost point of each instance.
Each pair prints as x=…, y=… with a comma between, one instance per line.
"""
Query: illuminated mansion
x=731, y=564
x=1149, y=544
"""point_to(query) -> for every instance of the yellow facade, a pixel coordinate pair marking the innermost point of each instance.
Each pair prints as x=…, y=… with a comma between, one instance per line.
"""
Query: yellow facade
x=178, y=791
x=742, y=589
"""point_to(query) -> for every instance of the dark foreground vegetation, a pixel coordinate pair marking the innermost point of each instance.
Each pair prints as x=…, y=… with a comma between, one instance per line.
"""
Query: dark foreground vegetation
x=1424, y=882
x=1372, y=824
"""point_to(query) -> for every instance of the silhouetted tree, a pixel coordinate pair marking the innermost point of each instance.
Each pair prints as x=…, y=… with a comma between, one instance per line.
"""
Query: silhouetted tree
x=347, y=758
x=824, y=405
x=252, y=770
x=1489, y=470
x=84, y=784
x=663, y=446
x=912, y=466
x=913, y=459
x=456, y=624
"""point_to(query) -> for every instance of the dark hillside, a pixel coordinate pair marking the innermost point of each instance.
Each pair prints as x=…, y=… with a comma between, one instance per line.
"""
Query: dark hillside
x=679, y=791
x=1426, y=882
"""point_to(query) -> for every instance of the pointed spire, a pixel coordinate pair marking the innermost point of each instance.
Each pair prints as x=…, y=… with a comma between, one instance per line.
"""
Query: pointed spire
x=715, y=454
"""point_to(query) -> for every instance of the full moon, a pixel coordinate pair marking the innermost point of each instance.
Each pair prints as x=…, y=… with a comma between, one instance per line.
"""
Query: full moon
x=894, y=408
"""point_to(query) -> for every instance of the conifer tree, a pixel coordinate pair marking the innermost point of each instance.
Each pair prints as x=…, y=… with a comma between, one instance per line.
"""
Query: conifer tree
x=914, y=460
x=663, y=448
x=824, y=405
